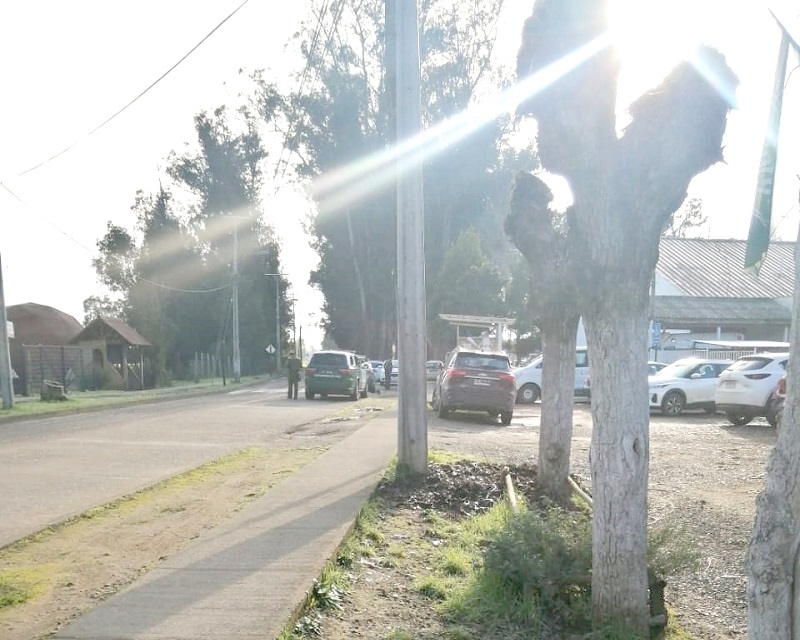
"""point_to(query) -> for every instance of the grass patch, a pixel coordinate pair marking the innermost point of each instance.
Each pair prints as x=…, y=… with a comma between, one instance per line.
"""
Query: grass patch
x=89, y=400
x=13, y=590
x=492, y=575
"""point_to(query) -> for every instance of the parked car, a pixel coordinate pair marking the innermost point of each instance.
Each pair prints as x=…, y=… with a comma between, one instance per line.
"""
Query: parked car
x=366, y=365
x=688, y=383
x=476, y=381
x=395, y=377
x=335, y=373
x=529, y=378
x=653, y=368
x=377, y=369
x=748, y=388
x=432, y=369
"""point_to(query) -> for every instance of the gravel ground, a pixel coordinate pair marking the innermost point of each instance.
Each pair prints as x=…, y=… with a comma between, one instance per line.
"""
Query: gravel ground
x=704, y=478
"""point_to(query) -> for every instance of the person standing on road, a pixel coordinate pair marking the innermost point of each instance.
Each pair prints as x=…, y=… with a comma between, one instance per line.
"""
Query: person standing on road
x=294, y=366
x=387, y=373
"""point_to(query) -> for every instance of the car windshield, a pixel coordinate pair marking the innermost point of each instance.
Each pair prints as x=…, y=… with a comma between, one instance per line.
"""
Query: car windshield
x=481, y=361
x=679, y=369
x=328, y=360
x=749, y=364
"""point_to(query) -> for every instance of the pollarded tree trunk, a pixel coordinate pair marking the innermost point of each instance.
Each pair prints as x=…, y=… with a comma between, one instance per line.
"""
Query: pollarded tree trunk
x=558, y=385
x=773, y=584
x=617, y=339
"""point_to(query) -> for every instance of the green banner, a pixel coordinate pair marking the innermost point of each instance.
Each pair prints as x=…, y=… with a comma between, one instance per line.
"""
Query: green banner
x=761, y=220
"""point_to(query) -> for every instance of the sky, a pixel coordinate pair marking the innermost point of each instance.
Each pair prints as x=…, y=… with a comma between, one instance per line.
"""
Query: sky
x=68, y=66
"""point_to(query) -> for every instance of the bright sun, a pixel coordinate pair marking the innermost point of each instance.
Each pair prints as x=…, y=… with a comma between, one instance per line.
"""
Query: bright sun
x=653, y=36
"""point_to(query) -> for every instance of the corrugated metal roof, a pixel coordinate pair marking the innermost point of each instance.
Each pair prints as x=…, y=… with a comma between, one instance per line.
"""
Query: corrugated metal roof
x=715, y=268
x=719, y=310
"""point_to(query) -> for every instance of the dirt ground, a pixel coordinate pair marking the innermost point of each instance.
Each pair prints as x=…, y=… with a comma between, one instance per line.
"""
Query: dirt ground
x=704, y=476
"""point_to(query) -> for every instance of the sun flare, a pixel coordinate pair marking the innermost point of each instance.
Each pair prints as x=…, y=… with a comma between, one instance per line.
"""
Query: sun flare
x=653, y=36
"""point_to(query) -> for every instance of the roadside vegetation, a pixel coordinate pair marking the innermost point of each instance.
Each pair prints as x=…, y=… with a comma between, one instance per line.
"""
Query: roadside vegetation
x=424, y=564
x=88, y=400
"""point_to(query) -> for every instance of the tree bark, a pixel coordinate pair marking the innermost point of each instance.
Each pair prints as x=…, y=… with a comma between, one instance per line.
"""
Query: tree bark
x=772, y=568
x=617, y=337
x=558, y=385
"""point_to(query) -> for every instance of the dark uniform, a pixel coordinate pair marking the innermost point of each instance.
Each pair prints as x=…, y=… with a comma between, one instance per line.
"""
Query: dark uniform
x=294, y=366
x=387, y=373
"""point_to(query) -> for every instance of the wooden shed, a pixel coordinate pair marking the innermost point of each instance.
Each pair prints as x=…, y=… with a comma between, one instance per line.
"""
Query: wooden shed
x=117, y=349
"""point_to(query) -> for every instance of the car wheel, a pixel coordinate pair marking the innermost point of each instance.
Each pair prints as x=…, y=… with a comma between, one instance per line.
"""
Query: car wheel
x=774, y=407
x=738, y=419
x=441, y=409
x=505, y=417
x=309, y=395
x=673, y=403
x=354, y=393
x=528, y=394
x=371, y=387
x=364, y=392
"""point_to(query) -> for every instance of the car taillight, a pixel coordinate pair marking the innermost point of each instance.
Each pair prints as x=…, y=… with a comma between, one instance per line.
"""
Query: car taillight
x=346, y=372
x=507, y=378
x=456, y=374
x=310, y=371
x=756, y=376
x=782, y=386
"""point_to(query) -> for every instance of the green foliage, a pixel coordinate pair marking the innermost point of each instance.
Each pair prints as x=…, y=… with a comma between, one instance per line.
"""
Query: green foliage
x=12, y=593
x=174, y=273
x=546, y=555
x=468, y=283
x=344, y=117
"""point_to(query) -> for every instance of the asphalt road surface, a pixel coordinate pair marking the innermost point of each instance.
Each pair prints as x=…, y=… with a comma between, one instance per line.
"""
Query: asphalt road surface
x=58, y=467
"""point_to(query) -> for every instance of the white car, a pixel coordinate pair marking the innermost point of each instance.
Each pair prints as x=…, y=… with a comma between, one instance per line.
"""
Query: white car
x=747, y=389
x=689, y=383
x=377, y=368
x=529, y=378
x=432, y=369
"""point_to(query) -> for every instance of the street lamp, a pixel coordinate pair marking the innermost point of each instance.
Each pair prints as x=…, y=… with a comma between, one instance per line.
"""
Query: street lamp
x=277, y=319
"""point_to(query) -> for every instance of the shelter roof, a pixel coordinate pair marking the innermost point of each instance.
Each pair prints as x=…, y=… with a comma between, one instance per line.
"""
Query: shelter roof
x=40, y=324
x=103, y=328
x=475, y=321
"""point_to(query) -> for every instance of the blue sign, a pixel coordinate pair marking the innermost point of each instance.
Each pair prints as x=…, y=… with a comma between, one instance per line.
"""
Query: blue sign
x=655, y=335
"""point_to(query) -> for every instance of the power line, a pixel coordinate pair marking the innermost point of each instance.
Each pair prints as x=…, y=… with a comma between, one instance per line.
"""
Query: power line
x=51, y=223
x=129, y=104
x=88, y=250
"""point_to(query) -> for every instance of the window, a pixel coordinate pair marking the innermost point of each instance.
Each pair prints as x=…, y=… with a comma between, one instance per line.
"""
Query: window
x=338, y=360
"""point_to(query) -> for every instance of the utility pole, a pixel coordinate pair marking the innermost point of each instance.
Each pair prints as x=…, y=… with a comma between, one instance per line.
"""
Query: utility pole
x=277, y=320
x=6, y=383
x=411, y=321
x=237, y=360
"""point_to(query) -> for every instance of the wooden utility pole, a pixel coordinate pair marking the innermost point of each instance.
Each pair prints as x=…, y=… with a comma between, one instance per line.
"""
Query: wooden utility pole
x=237, y=360
x=411, y=322
x=6, y=383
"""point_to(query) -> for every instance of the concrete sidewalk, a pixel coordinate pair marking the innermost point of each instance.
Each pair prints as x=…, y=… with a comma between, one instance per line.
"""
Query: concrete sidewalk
x=245, y=578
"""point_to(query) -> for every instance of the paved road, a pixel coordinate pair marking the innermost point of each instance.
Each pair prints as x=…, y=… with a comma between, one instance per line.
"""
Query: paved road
x=57, y=467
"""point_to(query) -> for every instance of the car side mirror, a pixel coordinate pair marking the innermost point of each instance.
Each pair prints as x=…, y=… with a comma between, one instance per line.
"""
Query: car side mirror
x=695, y=376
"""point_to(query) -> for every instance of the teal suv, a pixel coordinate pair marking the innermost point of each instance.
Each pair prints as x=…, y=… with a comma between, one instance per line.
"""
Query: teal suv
x=335, y=373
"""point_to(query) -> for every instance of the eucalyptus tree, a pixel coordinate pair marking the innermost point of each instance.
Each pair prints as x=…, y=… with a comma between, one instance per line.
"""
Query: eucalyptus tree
x=224, y=172
x=339, y=114
x=625, y=189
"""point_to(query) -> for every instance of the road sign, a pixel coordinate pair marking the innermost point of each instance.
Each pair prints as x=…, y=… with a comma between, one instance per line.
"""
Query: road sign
x=270, y=349
x=655, y=335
